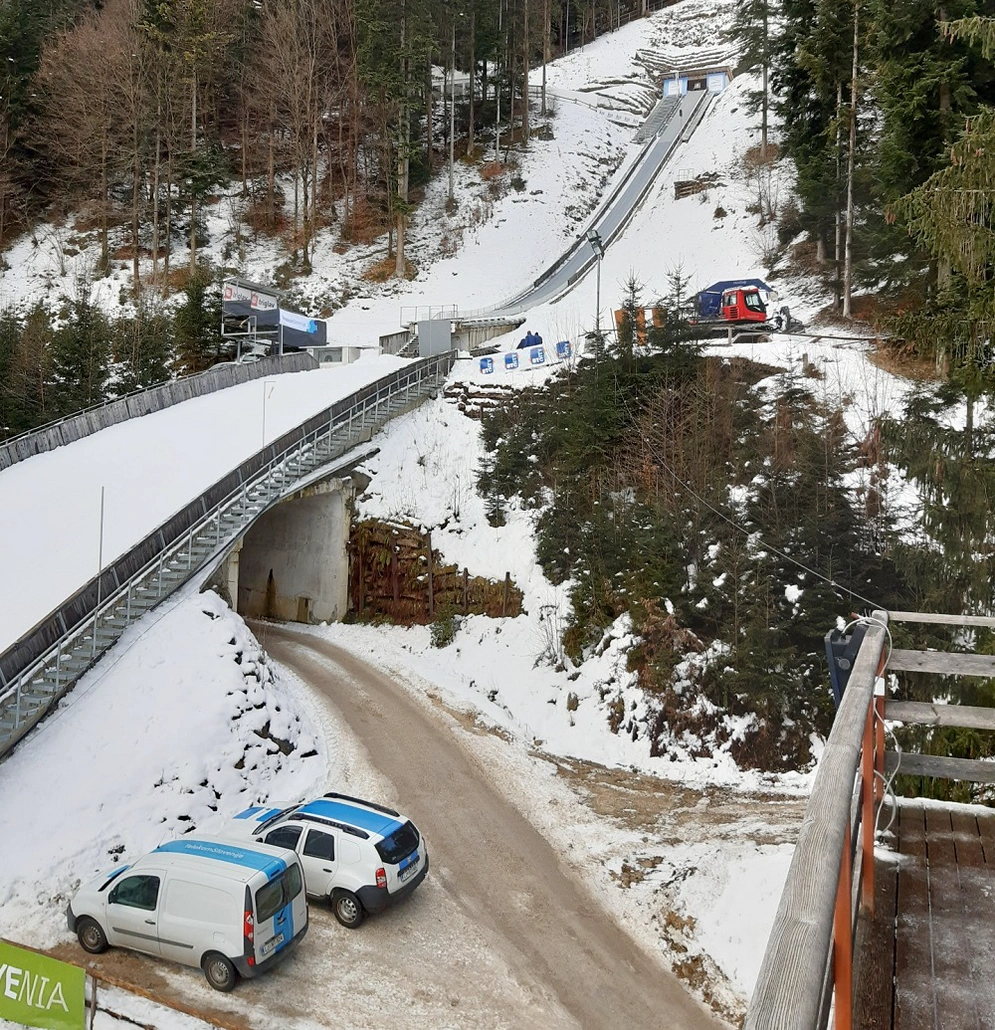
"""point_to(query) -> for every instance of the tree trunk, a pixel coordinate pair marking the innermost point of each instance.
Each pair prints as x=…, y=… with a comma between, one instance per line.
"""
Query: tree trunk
x=105, y=257
x=271, y=167
x=155, y=194
x=402, y=189
x=430, y=116
x=838, y=214
x=764, y=100
x=135, y=195
x=545, y=52
x=404, y=139
x=525, y=70
x=851, y=159
x=473, y=69
x=943, y=267
x=169, y=219
x=193, y=191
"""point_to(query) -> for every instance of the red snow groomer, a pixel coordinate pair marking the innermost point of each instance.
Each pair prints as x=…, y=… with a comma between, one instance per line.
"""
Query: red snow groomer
x=748, y=303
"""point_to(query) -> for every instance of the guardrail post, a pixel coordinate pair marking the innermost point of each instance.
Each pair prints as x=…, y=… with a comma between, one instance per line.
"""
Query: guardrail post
x=17, y=703
x=867, y=815
x=58, y=666
x=879, y=747
x=843, y=944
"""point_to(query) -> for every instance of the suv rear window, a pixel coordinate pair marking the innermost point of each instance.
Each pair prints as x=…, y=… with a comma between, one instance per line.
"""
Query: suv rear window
x=399, y=844
x=277, y=893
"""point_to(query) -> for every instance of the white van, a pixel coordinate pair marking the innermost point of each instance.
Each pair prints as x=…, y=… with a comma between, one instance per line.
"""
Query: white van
x=230, y=909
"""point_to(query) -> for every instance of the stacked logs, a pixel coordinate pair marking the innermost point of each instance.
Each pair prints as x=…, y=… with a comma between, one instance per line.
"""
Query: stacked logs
x=395, y=575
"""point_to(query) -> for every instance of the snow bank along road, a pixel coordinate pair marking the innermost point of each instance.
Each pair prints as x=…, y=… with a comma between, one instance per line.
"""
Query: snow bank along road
x=558, y=941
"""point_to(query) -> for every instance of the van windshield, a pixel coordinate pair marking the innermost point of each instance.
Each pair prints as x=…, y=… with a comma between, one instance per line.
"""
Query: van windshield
x=278, y=892
x=399, y=844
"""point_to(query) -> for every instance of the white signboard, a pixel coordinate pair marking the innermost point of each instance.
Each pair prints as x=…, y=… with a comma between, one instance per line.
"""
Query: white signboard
x=256, y=300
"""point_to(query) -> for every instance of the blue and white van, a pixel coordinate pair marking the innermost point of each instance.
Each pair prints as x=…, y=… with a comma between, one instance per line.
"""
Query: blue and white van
x=359, y=855
x=233, y=910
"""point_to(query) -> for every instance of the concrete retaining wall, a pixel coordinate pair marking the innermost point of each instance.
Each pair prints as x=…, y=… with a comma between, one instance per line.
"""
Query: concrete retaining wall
x=154, y=399
x=294, y=564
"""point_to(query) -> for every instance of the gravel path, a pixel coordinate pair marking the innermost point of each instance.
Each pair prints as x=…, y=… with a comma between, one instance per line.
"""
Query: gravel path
x=567, y=962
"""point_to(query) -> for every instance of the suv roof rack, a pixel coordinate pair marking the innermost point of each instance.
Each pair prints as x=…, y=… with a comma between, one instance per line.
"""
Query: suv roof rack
x=324, y=820
x=360, y=801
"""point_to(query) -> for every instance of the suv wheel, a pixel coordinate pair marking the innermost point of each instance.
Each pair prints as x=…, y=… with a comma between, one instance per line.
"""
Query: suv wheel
x=348, y=909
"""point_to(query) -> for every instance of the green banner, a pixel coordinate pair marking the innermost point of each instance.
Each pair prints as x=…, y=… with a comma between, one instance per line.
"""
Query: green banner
x=40, y=991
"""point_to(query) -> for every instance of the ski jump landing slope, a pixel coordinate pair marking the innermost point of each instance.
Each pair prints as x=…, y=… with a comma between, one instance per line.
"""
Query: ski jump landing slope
x=611, y=217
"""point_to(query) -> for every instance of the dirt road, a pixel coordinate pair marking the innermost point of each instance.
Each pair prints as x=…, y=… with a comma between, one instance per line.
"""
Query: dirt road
x=557, y=941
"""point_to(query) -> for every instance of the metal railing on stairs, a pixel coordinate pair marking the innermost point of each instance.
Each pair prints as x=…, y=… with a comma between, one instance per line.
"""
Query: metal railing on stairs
x=37, y=671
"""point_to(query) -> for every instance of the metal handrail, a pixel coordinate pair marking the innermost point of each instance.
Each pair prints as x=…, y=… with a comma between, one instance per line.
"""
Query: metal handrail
x=300, y=452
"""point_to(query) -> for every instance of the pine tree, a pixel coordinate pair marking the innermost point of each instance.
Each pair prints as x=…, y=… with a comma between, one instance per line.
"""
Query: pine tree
x=142, y=348
x=80, y=355
x=197, y=323
x=752, y=31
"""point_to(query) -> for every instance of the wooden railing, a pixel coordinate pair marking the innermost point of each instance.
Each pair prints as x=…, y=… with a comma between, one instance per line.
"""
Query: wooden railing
x=809, y=955
x=807, y=970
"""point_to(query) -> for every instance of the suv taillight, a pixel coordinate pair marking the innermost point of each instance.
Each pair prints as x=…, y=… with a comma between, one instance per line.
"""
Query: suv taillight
x=382, y=878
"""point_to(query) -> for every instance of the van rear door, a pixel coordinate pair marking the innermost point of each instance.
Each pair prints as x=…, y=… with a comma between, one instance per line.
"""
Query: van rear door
x=281, y=911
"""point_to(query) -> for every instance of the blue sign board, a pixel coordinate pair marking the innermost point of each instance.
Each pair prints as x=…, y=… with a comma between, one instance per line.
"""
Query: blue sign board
x=487, y=365
x=510, y=362
x=563, y=349
x=537, y=356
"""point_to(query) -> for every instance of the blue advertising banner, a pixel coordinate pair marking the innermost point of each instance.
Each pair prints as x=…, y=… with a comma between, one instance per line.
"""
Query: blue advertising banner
x=487, y=365
x=537, y=356
x=563, y=349
x=510, y=362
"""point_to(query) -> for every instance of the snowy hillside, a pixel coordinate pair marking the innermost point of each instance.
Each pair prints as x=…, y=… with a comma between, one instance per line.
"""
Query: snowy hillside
x=188, y=720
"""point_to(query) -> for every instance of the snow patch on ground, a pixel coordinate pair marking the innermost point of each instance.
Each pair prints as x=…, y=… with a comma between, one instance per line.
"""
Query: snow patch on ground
x=183, y=728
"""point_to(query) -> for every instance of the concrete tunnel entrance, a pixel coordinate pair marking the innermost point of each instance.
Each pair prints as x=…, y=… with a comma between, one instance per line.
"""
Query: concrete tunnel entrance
x=293, y=563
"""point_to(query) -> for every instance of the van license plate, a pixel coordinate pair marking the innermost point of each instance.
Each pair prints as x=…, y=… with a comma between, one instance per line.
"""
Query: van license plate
x=406, y=874
x=273, y=943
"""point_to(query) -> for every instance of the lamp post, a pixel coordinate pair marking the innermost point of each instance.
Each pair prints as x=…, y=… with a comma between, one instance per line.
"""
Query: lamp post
x=597, y=245
x=268, y=385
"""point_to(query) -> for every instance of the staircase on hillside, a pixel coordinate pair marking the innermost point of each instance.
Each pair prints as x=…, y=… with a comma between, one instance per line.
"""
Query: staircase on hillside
x=39, y=686
x=657, y=119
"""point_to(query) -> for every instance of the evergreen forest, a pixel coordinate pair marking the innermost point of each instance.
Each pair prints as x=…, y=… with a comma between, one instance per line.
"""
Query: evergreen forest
x=669, y=486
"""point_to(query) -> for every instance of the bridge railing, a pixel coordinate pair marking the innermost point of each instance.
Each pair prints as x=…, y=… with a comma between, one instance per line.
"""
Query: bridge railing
x=809, y=956
x=42, y=666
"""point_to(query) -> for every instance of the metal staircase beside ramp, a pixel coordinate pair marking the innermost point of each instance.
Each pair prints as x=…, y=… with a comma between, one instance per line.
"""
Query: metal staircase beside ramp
x=658, y=118
x=38, y=670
